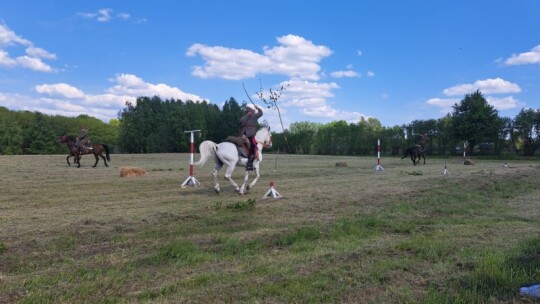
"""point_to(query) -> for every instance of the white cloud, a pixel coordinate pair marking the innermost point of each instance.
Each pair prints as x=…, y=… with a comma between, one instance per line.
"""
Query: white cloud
x=104, y=15
x=123, y=16
x=36, y=52
x=33, y=63
x=341, y=74
x=531, y=57
x=228, y=63
x=5, y=60
x=60, y=89
x=501, y=104
x=34, y=56
x=359, y=53
x=487, y=86
x=67, y=100
x=504, y=103
x=132, y=85
x=9, y=38
x=294, y=57
x=370, y=74
x=310, y=99
x=445, y=104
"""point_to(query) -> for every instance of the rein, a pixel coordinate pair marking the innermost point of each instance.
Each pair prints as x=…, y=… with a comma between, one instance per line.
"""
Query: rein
x=263, y=144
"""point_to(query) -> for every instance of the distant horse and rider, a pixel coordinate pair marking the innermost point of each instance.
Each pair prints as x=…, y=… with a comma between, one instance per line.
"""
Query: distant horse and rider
x=233, y=155
x=77, y=151
x=417, y=151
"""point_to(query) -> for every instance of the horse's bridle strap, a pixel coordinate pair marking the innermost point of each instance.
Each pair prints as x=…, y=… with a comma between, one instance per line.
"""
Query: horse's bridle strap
x=263, y=144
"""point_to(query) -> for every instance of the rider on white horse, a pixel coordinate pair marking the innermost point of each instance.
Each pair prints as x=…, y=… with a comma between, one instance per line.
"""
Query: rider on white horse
x=249, y=127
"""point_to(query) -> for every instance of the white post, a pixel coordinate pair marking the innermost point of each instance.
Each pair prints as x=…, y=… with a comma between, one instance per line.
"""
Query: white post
x=379, y=167
x=272, y=192
x=446, y=172
x=191, y=180
x=465, y=145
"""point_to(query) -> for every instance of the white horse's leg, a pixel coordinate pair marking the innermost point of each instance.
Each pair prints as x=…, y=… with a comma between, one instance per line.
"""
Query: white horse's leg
x=257, y=174
x=216, y=182
x=228, y=175
x=246, y=177
x=215, y=176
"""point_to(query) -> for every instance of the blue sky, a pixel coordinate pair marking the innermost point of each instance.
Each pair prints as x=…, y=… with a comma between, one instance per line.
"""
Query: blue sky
x=396, y=61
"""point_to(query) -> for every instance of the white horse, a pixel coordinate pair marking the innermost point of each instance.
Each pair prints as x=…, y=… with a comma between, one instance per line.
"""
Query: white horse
x=226, y=153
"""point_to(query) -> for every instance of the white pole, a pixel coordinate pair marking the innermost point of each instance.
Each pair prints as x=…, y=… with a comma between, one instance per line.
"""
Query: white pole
x=465, y=145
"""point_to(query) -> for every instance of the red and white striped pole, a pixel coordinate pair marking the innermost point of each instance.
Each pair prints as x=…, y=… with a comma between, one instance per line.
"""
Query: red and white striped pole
x=379, y=167
x=191, y=180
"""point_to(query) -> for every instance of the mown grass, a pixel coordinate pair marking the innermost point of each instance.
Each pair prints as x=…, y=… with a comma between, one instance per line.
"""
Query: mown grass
x=350, y=236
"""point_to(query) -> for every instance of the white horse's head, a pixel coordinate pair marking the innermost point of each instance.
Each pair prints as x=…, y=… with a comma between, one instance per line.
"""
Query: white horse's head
x=264, y=137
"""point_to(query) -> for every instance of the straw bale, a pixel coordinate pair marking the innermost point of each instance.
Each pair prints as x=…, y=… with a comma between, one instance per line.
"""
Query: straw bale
x=131, y=172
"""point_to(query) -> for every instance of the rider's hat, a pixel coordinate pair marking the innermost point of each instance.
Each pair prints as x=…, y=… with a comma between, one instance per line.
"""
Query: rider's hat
x=251, y=107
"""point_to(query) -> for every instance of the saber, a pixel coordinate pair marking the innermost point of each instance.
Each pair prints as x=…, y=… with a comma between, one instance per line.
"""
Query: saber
x=247, y=94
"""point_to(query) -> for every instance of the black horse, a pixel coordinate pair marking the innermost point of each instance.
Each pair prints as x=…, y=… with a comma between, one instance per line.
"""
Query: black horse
x=96, y=149
x=417, y=151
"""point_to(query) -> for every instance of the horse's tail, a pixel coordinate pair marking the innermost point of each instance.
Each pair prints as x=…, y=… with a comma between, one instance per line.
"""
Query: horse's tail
x=207, y=148
x=106, y=152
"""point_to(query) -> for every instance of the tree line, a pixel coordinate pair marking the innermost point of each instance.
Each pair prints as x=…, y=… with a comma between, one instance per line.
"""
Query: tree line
x=25, y=132
x=472, y=121
x=154, y=125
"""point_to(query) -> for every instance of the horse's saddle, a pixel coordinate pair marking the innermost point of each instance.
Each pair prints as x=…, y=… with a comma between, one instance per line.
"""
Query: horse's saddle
x=242, y=144
x=85, y=148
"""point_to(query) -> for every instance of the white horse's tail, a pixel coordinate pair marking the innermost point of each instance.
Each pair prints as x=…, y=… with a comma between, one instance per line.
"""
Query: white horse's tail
x=207, y=149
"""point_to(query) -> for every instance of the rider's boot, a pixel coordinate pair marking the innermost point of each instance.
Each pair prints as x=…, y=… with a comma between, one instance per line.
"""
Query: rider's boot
x=249, y=165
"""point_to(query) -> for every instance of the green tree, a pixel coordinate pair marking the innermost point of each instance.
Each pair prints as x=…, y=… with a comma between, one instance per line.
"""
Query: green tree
x=301, y=138
x=230, y=119
x=392, y=139
x=475, y=121
x=11, y=138
x=39, y=137
x=446, y=142
x=334, y=138
x=526, y=126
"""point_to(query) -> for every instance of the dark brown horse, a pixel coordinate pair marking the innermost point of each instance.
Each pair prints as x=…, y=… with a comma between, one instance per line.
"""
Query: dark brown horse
x=417, y=151
x=96, y=149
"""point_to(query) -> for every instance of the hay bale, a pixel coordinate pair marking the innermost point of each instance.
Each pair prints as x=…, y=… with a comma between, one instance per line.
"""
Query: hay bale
x=341, y=164
x=468, y=162
x=131, y=172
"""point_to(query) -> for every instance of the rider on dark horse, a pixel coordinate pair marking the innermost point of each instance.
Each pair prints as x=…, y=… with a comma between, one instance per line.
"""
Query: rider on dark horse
x=249, y=128
x=82, y=140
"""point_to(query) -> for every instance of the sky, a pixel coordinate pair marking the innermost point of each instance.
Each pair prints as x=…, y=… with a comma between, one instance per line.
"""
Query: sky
x=396, y=61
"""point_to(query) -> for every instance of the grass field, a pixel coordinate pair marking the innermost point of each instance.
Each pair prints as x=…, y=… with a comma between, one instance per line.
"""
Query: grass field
x=349, y=234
